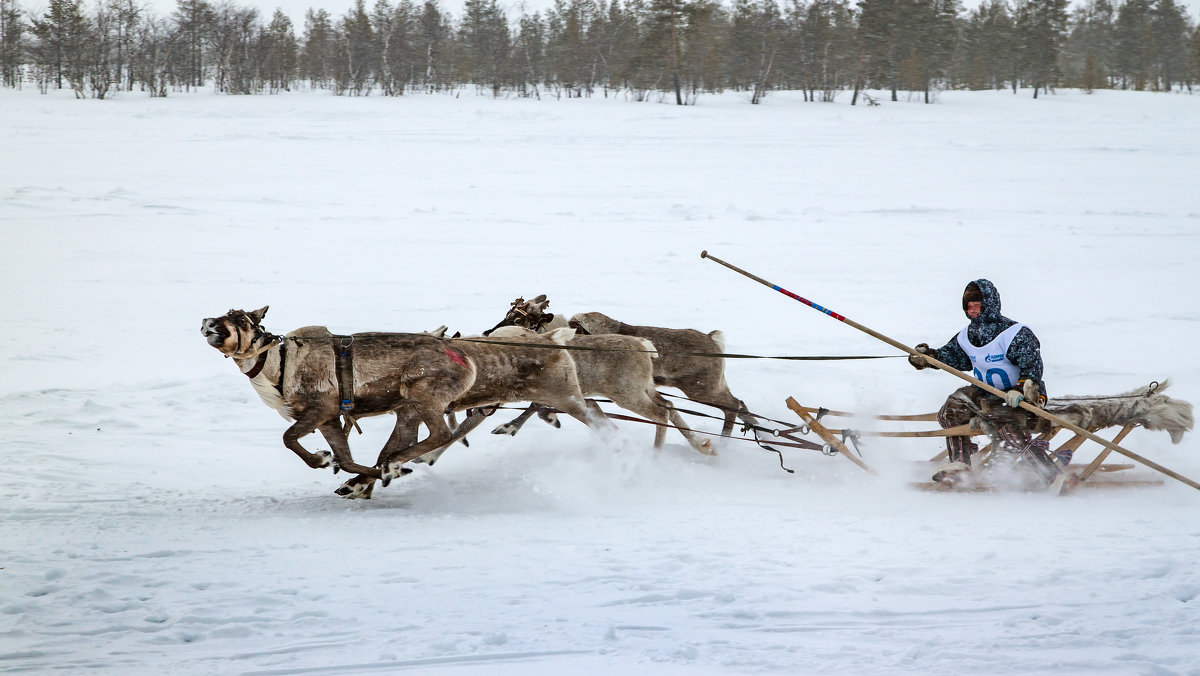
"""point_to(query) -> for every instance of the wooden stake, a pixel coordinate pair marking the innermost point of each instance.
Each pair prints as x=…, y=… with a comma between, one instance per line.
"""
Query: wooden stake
x=1091, y=469
x=825, y=434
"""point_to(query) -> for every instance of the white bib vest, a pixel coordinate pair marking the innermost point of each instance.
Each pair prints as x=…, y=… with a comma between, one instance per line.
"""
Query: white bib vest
x=990, y=363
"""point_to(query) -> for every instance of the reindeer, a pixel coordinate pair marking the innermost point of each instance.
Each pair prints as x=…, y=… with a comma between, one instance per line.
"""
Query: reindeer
x=416, y=376
x=682, y=362
x=622, y=369
x=538, y=370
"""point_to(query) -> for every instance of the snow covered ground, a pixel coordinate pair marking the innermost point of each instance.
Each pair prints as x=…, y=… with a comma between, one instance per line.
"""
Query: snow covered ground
x=152, y=522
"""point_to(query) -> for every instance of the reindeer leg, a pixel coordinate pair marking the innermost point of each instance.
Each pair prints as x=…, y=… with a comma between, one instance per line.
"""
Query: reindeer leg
x=404, y=434
x=749, y=420
x=513, y=426
x=727, y=427
x=657, y=408
x=593, y=416
x=696, y=441
x=700, y=443
x=291, y=439
x=452, y=420
x=549, y=415
x=648, y=406
x=332, y=432
x=473, y=419
x=585, y=411
x=720, y=397
x=440, y=435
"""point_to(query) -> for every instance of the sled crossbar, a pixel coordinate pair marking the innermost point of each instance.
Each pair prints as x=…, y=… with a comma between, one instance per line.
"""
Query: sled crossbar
x=919, y=417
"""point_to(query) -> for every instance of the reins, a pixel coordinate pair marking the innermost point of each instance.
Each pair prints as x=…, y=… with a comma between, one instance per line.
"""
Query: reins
x=1154, y=385
x=718, y=355
x=791, y=441
x=299, y=340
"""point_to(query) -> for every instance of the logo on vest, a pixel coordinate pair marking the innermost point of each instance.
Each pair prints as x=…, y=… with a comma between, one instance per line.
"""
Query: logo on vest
x=993, y=358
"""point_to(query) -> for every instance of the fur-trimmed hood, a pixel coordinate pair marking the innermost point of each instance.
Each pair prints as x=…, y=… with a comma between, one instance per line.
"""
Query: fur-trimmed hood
x=989, y=297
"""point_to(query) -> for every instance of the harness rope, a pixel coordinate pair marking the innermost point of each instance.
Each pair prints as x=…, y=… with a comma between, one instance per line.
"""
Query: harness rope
x=721, y=355
x=554, y=346
x=791, y=443
x=785, y=433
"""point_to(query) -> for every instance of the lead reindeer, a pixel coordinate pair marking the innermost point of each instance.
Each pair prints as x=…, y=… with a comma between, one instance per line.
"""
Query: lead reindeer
x=415, y=376
x=683, y=354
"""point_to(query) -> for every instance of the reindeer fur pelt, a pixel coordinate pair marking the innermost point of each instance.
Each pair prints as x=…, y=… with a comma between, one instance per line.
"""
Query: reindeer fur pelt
x=1154, y=411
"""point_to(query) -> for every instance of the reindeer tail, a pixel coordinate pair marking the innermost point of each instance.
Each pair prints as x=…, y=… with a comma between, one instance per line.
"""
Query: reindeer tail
x=649, y=347
x=719, y=339
x=561, y=336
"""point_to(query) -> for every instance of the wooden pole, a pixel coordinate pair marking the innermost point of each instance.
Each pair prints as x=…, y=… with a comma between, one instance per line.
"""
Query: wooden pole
x=920, y=417
x=1091, y=469
x=1112, y=446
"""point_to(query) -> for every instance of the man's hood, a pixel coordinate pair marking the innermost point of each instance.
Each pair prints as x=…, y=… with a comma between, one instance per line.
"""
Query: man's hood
x=990, y=299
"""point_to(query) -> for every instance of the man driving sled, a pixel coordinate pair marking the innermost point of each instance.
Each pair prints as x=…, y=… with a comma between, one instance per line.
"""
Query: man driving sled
x=1004, y=354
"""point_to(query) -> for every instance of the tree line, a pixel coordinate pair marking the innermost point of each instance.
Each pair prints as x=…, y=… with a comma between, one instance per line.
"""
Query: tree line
x=668, y=49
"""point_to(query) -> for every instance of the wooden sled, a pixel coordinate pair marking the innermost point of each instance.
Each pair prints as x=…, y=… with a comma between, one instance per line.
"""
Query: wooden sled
x=1152, y=410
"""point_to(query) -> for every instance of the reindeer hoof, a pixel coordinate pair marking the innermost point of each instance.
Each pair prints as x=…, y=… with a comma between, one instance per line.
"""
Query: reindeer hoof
x=506, y=428
x=706, y=447
x=393, y=471
x=325, y=459
x=356, y=489
x=428, y=459
x=552, y=419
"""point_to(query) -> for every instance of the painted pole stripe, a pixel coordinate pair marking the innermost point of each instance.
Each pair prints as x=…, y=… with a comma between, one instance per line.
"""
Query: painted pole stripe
x=808, y=302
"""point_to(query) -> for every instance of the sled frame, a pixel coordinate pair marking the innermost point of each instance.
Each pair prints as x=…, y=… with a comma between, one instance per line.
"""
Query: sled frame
x=1076, y=474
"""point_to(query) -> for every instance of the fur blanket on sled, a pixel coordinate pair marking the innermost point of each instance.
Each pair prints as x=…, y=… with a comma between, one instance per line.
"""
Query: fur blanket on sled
x=1145, y=406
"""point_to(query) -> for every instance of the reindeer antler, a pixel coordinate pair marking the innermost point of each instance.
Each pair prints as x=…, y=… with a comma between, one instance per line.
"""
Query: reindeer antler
x=539, y=303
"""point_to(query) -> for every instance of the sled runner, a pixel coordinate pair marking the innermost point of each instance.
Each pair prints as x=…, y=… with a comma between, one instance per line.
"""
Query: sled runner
x=1000, y=465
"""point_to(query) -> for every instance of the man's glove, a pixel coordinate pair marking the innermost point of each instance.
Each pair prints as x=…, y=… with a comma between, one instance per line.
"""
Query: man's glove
x=1033, y=395
x=1014, y=397
x=918, y=362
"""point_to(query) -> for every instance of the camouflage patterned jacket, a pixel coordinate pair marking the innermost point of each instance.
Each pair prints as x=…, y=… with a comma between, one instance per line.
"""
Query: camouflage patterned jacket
x=1025, y=351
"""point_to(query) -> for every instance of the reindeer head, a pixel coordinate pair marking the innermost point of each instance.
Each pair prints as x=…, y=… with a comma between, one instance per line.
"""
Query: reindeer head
x=594, y=323
x=237, y=333
x=527, y=314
